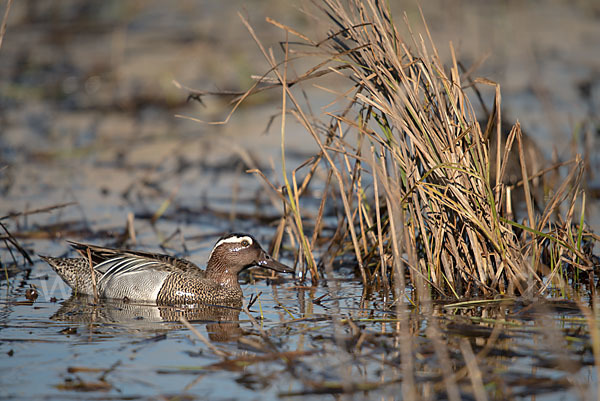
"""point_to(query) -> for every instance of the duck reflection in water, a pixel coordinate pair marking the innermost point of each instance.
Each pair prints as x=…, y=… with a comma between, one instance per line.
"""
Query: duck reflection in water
x=222, y=321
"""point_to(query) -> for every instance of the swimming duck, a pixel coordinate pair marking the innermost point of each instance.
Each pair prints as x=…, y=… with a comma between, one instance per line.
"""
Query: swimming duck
x=164, y=279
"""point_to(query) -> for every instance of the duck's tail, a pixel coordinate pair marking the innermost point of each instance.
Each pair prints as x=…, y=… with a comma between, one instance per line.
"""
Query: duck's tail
x=75, y=272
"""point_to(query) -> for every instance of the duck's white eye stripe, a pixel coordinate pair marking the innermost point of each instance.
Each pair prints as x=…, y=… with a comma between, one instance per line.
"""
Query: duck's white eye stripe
x=234, y=240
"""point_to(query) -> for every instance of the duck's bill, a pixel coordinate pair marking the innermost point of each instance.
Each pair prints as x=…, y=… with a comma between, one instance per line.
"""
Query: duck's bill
x=265, y=260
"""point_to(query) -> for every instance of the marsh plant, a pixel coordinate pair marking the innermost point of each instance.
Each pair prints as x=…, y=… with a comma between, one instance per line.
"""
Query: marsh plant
x=406, y=162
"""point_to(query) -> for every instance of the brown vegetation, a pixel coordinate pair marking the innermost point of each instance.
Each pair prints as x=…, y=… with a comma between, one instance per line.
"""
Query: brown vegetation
x=409, y=164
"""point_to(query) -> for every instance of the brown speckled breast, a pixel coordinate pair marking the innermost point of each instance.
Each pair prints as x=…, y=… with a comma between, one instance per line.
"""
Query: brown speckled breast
x=188, y=289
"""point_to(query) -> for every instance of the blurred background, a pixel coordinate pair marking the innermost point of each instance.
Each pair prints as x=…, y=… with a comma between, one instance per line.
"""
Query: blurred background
x=88, y=103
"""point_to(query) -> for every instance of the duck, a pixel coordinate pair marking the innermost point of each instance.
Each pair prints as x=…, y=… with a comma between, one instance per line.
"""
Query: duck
x=137, y=276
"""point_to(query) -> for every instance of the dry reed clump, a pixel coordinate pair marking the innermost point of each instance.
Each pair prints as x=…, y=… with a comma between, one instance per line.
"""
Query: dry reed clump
x=409, y=165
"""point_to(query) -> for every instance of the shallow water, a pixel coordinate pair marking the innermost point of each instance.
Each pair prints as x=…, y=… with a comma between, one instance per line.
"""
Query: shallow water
x=87, y=111
x=309, y=341
x=150, y=352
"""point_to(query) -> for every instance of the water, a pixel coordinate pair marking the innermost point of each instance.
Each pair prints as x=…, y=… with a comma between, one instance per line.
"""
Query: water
x=305, y=340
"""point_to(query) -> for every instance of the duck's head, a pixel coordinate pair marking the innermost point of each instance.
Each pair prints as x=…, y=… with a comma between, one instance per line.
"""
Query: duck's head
x=235, y=252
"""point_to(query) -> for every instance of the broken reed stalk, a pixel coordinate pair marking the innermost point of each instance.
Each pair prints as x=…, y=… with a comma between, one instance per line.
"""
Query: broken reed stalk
x=11, y=241
x=473, y=369
x=93, y=272
x=204, y=340
x=4, y=21
x=291, y=195
x=592, y=318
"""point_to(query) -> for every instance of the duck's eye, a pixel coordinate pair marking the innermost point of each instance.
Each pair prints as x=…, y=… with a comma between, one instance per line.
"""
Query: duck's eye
x=245, y=243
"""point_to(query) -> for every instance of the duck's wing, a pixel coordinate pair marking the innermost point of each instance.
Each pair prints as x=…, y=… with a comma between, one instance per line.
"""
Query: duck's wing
x=125, y=268
x=134, y=259
x=133, y=277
